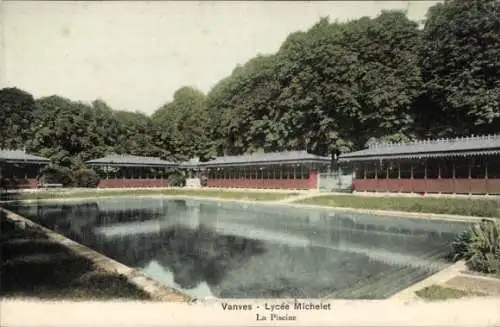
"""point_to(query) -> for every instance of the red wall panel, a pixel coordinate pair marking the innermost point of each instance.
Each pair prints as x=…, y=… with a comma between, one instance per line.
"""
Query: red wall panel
x=33, y=183
x=477, y=186
x=300, y=184
x=123, y=182
x=493, y=186
x=22, y=183
x=261, y=183
x=439, y=185
x=418, y=185
x=451, y=186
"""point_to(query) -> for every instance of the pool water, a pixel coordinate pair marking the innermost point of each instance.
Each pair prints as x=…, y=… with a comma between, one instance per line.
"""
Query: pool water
x=234, y=250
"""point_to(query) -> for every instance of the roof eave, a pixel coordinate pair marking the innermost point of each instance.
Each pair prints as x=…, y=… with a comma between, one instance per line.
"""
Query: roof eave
x=131, y=164
x=191, y=166
x=31, y=161
x=418, y=155
x=264, y=163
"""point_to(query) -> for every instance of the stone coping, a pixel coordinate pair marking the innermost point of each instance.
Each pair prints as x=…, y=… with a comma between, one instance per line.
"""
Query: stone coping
x=156, y=290
x=438, y=278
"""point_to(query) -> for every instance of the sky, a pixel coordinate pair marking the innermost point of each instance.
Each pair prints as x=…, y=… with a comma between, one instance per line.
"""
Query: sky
x=135, y=54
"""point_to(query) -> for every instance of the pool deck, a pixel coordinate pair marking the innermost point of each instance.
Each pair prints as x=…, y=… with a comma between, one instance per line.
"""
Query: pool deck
x=438, y=278
x=456, y=276
x=258, y=190
x=300, y=197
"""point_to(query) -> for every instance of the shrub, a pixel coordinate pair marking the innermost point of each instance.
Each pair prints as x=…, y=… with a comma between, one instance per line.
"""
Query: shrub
x=85, y=177
x=460, y=246
x=480, y=247
x=58, y=174
x=176, y=179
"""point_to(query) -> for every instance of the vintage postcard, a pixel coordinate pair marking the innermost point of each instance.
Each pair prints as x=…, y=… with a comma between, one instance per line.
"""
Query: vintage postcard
x=250, y=163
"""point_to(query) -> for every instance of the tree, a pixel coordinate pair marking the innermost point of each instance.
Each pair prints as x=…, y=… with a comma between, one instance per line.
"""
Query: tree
x=388, y=77
x=183, y=124
x=135, y=134
x=241, y=106
x=16, y=110
x=460, y=68
x=70, y=133
x=322, y=88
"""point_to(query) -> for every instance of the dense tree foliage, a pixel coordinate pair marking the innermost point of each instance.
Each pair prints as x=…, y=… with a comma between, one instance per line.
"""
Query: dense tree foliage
x=16, y=111
x=136, y=134
x=70, y=133
x=461, y=68
x=330, y=89
x=182, y=124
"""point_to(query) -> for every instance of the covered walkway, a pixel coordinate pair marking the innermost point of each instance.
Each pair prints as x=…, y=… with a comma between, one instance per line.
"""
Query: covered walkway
x=468, y=165
x=274, y=170
x=19, y=169
x=118, y=171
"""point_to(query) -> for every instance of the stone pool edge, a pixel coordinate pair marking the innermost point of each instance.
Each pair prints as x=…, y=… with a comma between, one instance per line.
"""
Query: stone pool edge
x=282, y=202
x=157, y=291
x=438, y=278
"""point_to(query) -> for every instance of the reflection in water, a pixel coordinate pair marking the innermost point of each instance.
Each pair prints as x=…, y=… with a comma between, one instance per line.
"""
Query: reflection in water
x=256, y=251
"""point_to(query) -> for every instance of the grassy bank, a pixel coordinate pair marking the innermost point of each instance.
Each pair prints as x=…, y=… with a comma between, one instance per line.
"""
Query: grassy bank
x=236, y=195
x=34, y=266
x=451, y=206
x=441, y=293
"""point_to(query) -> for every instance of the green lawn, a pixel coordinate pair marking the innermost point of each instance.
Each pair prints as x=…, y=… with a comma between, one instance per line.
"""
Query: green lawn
x=439, y=293
x=452, y=206
x=236, y=195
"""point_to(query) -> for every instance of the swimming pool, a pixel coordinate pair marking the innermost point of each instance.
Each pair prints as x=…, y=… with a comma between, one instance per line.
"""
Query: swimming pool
x=236, y=250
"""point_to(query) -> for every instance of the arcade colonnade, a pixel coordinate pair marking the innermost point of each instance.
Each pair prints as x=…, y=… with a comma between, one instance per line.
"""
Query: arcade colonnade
x=123, y=171
x=452, y=166
x=469, y=165
x=273, y=170
x=276, y=170
x=19, y=169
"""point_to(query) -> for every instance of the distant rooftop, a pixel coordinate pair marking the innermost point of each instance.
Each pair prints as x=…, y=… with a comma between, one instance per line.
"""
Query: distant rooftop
x=473, y=145
x=125, y=160
x=269, y=158
x=191, y=163
x=20, y=156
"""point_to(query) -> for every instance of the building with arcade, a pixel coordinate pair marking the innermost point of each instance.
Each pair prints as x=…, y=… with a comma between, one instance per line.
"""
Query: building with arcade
x=274, y=170
x=19, y=169
x=469, y=165
x=120, y=171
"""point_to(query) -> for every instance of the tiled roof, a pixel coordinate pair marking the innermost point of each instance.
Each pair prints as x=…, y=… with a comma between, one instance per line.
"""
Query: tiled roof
x=131, y=161
x=479, y=145
x=266, y=158
x=18, y=156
